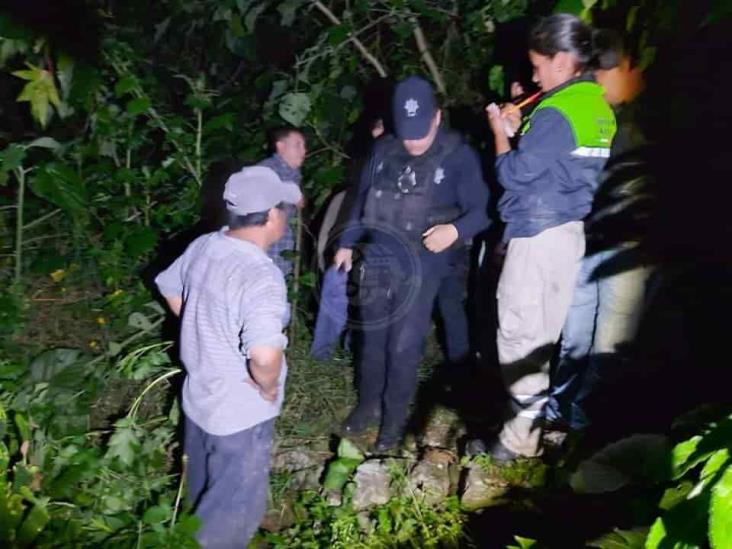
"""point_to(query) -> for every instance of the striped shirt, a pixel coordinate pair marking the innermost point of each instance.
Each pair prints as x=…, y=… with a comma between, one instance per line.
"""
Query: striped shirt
x=234, y=299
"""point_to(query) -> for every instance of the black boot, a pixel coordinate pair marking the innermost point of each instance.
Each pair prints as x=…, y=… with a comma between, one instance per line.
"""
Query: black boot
x=391, y=434
x=361, y=418
x=389, y=438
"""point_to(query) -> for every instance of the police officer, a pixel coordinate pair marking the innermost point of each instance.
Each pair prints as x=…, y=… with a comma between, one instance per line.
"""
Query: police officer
x=421, y=196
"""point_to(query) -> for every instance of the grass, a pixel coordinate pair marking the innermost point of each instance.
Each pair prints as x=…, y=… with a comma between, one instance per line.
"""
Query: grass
x=525, y=473
x=318, y=396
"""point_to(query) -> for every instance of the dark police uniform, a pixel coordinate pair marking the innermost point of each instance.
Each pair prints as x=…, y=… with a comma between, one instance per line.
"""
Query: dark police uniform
x=399, y=197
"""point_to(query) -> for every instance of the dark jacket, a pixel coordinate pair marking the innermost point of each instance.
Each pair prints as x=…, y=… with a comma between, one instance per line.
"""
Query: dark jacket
x=460, y=185
x=551, y=177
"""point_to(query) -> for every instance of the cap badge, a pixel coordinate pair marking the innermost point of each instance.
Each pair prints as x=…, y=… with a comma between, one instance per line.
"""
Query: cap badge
x=411, y=106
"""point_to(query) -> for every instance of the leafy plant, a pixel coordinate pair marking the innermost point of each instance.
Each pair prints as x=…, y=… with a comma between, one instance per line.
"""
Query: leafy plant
x=696, y=506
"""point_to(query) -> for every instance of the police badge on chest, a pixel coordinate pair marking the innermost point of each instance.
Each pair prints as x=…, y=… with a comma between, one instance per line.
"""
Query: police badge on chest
x=407, y=180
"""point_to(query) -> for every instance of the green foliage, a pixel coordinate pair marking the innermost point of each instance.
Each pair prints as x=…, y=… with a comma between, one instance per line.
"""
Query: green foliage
x=621, y=539
x=68, y=487
x=40, y=92
x=349, y=457
x=522, y=472
x=696, y=506
x=402, y=522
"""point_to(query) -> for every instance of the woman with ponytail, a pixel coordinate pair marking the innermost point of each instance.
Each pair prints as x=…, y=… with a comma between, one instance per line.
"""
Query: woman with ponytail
x=549, y=182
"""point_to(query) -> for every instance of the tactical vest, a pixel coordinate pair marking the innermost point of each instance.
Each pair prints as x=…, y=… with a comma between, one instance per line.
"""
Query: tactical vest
x=401, y=195
x=588, y=114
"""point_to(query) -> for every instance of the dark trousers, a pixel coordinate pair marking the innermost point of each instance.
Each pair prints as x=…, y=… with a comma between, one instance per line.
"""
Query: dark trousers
x=228, y=480
x=396, y=315
x=451, y=304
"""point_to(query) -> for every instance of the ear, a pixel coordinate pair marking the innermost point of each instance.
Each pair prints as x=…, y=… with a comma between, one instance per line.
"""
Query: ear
x=270, y=217
x=437, y=119
x=563, y=61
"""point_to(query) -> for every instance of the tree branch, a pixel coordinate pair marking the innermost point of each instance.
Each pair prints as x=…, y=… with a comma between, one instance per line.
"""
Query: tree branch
x=424, y=52
x=352, y=38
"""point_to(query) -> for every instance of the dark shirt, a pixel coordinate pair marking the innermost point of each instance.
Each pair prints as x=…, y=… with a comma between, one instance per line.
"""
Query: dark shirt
x=462, y=186
x=546, y=184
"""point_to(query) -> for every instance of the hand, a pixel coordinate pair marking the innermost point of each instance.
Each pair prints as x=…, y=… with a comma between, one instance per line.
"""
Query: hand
x=440, y=237
x=495, y=119
x=270, y=395
x=343, y=259
x=511, y=118
x=516, y=90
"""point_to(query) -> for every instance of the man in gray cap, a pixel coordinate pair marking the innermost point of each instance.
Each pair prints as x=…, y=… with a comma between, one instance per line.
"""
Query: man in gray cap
x=421, y=197
x=232, y=301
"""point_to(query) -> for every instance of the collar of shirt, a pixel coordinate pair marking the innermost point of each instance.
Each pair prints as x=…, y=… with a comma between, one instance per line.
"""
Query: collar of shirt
x=244, y=245
x=284, y=170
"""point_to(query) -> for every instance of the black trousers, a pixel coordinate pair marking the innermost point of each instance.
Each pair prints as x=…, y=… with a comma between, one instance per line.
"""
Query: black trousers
x=396, y=301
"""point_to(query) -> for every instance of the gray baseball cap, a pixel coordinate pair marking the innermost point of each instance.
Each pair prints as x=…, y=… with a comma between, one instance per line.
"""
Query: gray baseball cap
x=258, y=189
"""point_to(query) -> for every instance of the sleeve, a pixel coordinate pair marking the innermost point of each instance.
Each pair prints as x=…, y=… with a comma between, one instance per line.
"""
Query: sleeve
x=473, y=196
x=548, y=138
x=170, y=281
x=264, y=311
x=351, y=231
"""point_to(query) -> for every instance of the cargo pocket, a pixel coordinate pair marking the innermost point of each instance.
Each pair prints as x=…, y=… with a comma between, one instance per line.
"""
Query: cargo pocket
x=519, y=318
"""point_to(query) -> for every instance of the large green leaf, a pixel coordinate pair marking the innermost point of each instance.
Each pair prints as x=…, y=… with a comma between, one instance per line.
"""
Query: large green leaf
x=295, y=107
x=61, y=186
x=11, y=158
x=140, y=241
x=45, y=143
x=621, y=539
x=40, y=92
x=683, y=527
x=124, y=443
x=496, y=79
x=50, y=363
x=637, y=459
x=720, y=517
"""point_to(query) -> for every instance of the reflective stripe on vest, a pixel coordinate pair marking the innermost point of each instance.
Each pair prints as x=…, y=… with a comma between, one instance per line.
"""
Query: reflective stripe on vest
x=592, y=152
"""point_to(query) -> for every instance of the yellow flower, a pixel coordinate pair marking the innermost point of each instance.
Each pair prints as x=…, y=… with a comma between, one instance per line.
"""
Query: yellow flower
x=58, y=275
x=93, y=344
x=117, y=293
x=101, y=320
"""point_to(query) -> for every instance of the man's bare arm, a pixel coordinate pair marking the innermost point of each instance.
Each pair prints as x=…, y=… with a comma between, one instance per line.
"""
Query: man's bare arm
x=265, y=364
x=175, y=304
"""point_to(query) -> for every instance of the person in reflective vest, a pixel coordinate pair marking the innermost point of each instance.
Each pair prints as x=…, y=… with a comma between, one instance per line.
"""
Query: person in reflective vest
x=549, y=183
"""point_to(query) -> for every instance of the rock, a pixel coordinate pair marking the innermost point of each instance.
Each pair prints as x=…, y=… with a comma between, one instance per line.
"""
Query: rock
x=364, y=522
x=431, y=481
x=480, y=489
x=308, y=479
x=334, y=498
x=372, y=485
x=296, y=460
x=443, y=429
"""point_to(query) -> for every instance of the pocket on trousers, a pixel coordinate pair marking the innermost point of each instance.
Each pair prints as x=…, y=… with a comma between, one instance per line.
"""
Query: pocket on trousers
x=519, y=313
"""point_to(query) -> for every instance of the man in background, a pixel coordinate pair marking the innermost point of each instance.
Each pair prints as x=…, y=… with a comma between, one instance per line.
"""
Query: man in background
x=289, y=150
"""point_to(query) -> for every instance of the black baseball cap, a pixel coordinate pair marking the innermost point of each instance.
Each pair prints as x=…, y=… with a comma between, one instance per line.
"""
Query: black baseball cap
x=414, y=105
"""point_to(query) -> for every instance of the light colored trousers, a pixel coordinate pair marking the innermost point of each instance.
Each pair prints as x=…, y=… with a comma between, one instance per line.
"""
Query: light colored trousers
x=534, y=294
x=604, y=316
